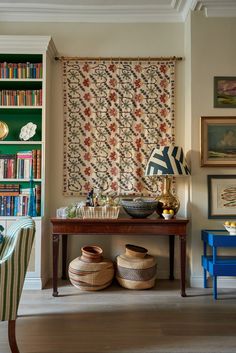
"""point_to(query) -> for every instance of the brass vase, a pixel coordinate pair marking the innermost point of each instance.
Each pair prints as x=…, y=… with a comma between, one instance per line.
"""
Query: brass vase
x=167, y=201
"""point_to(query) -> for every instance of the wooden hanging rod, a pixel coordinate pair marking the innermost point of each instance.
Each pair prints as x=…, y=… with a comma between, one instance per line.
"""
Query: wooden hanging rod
x=161, y=58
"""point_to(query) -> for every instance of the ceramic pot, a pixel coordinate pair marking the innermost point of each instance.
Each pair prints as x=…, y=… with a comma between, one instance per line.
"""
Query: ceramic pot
x=136, y=269
x=91, y=271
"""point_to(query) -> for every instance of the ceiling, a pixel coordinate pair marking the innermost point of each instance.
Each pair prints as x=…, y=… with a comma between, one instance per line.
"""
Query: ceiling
x=111, y=10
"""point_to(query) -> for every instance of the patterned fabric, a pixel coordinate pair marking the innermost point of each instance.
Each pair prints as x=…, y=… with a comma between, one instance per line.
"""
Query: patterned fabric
x=1, y=241
x=167, y=160
x=14, y=258
x=115, y=113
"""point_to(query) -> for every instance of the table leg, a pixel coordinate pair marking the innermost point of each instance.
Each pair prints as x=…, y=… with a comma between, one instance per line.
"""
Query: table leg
x=183, y=264
x=55, y=251
x=171, y=256
x=214, y=250
x=215, y=287
x=205, y=278
x=204, y=270
x=64, y=256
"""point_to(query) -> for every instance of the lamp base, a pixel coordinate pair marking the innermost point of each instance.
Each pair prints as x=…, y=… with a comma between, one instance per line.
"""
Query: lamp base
x=167, y=201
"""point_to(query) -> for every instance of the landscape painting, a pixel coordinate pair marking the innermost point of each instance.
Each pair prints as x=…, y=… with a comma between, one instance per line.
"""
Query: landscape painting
x=225, y=92
x=218, y=141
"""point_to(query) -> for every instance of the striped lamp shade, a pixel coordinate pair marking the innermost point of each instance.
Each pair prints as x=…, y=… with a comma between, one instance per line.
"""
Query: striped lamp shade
x=167, y=160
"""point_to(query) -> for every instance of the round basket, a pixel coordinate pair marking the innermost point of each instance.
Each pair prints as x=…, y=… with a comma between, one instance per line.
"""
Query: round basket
x=136, y=269
x=90, y=273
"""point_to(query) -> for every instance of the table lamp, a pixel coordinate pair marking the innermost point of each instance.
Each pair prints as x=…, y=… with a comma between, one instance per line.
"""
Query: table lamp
x=167, y=161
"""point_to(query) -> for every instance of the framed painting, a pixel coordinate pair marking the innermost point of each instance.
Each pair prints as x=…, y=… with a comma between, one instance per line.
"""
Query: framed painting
x=224, y=92
x=221, y=196
x=218, y=141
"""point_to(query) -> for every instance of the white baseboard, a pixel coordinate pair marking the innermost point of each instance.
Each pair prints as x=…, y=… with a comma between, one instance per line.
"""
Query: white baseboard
x=222, y=282
x=34, y=283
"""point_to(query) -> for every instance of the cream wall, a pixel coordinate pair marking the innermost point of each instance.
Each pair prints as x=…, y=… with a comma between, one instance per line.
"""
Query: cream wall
x=213, y=53
x=108, y=40
x=209, y=49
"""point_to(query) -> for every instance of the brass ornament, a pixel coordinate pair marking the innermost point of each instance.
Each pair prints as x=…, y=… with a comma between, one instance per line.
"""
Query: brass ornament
x=3, y=130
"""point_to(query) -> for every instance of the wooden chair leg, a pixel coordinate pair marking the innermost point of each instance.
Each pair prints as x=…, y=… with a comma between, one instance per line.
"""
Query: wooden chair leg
x=12, y=336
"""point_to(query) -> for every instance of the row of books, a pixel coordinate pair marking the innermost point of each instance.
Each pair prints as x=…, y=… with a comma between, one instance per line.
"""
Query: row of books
x=21, y=70
x=15, y=201
x=22, y=165
x=21, y=97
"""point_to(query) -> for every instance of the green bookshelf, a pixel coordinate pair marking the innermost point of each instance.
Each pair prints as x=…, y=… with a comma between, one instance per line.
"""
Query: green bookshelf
x=25, y=63
x=17, y=118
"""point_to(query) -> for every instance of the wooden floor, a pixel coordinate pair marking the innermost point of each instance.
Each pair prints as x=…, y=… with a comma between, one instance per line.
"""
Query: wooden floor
x=118, y=320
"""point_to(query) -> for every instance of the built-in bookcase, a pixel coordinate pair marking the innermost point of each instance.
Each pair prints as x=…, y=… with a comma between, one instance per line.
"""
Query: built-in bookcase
x=24, y=97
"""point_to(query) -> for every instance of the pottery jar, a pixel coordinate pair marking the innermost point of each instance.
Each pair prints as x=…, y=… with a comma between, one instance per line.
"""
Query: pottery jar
x=135, y=268
x=91, y=271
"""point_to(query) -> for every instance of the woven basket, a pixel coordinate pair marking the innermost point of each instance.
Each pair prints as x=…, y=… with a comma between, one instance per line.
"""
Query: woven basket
x=136, y=270
x=91, y=271
x=100, y=212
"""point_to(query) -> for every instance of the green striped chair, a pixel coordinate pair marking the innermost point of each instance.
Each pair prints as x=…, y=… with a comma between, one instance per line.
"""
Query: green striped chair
x=14, y=257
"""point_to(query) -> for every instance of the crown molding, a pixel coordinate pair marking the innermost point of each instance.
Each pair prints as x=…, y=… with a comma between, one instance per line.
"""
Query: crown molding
x=27, y=44
x=215, y=8
x=117, y=12
x=161, y=11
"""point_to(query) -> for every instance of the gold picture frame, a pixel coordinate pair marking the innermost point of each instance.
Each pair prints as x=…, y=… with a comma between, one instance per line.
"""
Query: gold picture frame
x=224, y=92
x=218, y=141
x=221, y=196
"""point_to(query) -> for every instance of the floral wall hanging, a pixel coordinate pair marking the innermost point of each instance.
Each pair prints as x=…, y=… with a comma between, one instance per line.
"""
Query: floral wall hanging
x=115, y=113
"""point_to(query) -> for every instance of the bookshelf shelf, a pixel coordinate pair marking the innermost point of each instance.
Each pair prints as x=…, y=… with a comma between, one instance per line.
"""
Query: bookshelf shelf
x=21, y=107
x=15, y=217
x=18, y=180
x=24, y=98
x=20, y=142
x=21, y=80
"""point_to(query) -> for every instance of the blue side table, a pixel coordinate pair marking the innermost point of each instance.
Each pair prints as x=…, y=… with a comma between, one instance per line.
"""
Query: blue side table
x=214, y=264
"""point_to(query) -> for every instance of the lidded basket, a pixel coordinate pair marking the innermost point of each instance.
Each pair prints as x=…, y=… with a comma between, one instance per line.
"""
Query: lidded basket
x=91, y=271
x=135, y=268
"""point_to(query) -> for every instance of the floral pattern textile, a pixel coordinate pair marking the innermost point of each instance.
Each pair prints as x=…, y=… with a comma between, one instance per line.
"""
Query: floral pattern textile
x=115, y=113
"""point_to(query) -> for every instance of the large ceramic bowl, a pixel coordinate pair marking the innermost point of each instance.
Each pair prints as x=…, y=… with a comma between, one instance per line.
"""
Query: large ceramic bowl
x=139, y=207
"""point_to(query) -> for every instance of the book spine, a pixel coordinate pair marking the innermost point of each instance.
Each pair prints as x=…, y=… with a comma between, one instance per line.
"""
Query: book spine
x=9, y=193
x=38, y=164
x=8, y=206
x=38, y=199
x=4, y=205
x=16, y=202
x=34, y=164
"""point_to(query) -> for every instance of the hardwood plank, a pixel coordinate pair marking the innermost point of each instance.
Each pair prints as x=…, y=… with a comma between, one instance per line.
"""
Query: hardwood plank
x=118, y=320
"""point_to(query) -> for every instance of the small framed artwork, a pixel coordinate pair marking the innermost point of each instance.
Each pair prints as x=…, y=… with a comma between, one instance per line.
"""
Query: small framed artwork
x=221, y=196
x=218, y=141
x=224, y=92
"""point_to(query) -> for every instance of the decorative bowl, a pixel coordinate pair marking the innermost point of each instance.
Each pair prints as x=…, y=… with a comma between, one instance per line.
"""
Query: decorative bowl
x=230, y=229
x=167, y=215
x=139, y=207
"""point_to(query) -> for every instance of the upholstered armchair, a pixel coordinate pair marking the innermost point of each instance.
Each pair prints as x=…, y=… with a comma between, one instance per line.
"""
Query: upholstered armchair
x=14, y=257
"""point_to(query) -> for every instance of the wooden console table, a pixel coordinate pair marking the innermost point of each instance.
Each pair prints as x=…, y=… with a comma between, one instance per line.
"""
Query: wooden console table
x=121, y=226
